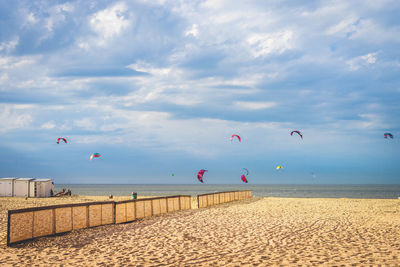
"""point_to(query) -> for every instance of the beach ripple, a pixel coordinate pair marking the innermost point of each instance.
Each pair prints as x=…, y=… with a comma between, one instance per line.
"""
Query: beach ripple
x=264, y=231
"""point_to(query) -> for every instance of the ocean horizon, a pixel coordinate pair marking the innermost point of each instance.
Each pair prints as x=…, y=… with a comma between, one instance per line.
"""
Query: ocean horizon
x=373, y=191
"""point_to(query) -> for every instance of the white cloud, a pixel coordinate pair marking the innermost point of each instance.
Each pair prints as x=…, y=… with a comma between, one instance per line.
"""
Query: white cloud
x=171, y=86
x=194, y=31
x=155, y=2
x=110, y=22
x=14, y=117
x=365, y=60
x=86, y=123
x=83, y=45
x=31, y=19
x=370, y=31
x=369, y=58
x=345, y=26
x=365, y=29
x=96, y=139
x=21, y=106
x=254, y=105
x=7, y=63
x=268, y=43
x=214, y=4
x=367, y=121
x=57, y=15
x=48, y=125
x=148, y=68
x=67, y=7
x=161, y=131
x=9, y=46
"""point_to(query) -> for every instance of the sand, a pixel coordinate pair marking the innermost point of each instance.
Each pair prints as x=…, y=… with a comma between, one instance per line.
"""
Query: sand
x=260, y=231
x=12, y=203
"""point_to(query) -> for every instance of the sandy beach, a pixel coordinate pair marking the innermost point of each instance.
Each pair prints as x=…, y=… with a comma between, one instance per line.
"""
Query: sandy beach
x=12, y=203
x=260, y=231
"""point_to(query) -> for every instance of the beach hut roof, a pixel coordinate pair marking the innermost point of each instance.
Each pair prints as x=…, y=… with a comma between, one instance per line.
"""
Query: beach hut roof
x=42, y=180
x=8, y=178
x=24, y=179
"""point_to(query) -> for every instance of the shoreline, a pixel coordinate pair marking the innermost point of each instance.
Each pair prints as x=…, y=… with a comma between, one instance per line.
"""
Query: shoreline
x=282, y=190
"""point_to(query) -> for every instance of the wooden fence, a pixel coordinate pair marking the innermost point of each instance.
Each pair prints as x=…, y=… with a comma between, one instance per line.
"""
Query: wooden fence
x=207, y=200
x=30, y=223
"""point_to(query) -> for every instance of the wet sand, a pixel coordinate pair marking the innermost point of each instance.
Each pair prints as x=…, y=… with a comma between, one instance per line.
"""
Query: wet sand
x=260, y=231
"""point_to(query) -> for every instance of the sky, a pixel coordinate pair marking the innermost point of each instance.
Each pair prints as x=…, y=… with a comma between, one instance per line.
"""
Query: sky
x=158, y=87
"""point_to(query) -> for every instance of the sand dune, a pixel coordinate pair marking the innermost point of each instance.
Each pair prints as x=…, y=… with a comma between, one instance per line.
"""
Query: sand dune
x=267, y=231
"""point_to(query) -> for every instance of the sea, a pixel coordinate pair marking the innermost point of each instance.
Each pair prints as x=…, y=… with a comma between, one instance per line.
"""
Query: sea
x=259, y=190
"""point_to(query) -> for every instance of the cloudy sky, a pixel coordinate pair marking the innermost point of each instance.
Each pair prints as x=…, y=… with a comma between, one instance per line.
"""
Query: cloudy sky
x=158, y=87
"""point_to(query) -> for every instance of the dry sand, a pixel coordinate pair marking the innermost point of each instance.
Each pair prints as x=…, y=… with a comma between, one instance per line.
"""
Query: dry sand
x=12, y=203
x=267, y=231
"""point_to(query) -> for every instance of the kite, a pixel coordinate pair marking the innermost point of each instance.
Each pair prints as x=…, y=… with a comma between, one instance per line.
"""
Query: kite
x=200, y=175
x=238, y=137
x=246, y=170
x=61, y=138
x=279, y=167
x=298, y=132
x=244, y=179
x=388, y=134
x=95, y=155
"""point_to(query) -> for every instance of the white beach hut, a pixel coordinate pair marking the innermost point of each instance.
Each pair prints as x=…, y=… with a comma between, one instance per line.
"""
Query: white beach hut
x=41, y=187
x=6, y=187
x=21, y=187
